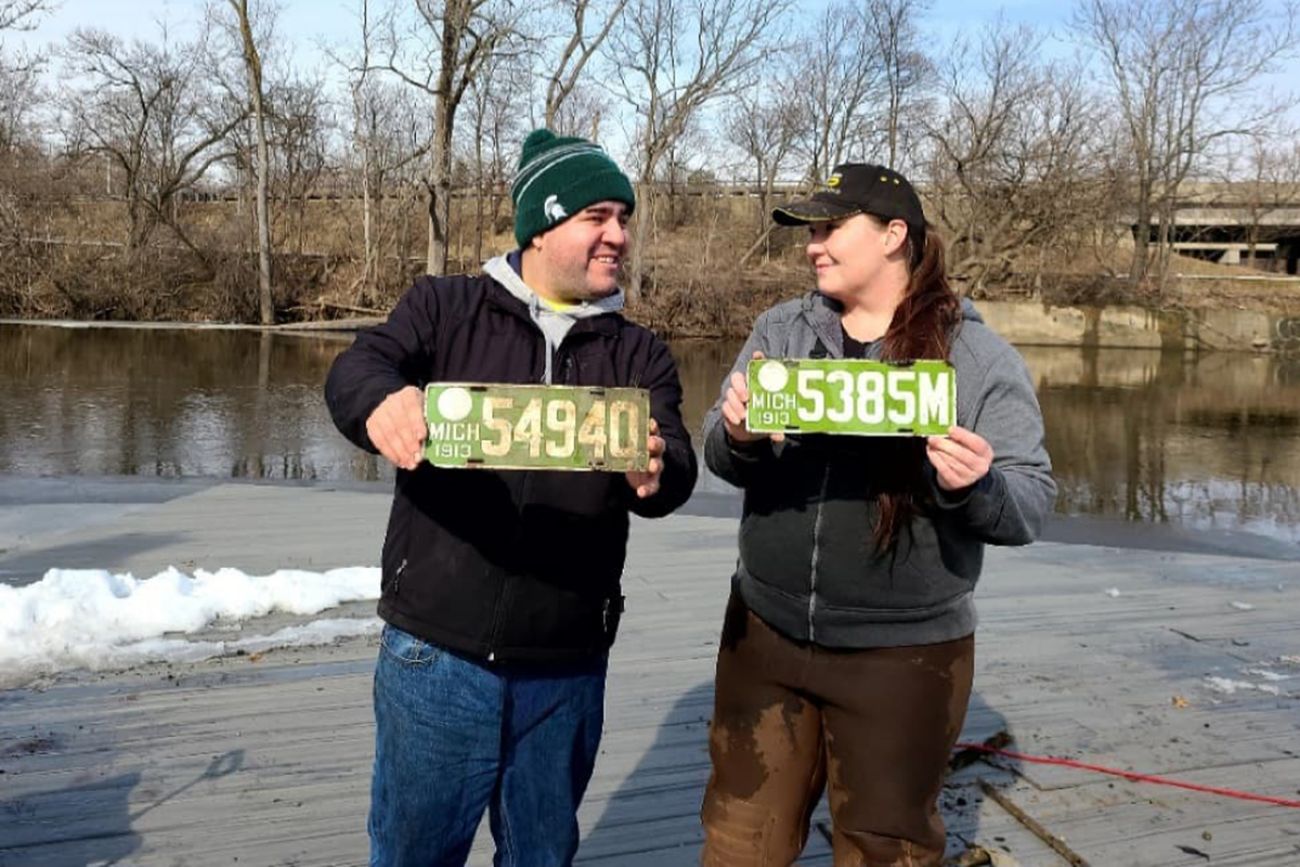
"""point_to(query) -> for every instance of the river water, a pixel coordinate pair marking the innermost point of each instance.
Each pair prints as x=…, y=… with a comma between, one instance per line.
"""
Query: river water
x=1195, y=442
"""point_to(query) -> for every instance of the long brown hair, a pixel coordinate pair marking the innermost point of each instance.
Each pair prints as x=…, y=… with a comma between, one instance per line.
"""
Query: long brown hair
x=922, y=327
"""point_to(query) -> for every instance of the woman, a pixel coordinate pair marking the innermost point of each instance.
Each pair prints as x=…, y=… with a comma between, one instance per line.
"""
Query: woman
x=848, y=647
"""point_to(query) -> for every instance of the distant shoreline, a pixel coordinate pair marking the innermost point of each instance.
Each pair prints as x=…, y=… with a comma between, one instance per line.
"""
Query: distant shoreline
x=318, y=326
x=1021, y=322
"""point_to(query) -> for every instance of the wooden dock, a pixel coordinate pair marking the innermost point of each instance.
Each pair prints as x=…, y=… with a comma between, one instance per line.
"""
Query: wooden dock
x=265, y=760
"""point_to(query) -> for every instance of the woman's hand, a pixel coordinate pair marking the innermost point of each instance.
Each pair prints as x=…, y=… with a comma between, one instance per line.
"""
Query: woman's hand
x=960, y=459
x=735, y=407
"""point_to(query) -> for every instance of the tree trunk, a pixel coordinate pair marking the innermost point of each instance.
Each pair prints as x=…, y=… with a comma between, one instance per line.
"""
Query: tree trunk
x=134, y=227
x=367, y=226
x=636, y=264
x=1141, y=241
x=893, y=128
x=253, y=63
x=265, y=306
x=480, y=189
x=439, y=187
x=1164, y=235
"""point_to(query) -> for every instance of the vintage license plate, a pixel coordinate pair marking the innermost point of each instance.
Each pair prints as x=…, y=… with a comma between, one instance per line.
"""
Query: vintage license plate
x=851, y=396
x=537, y=427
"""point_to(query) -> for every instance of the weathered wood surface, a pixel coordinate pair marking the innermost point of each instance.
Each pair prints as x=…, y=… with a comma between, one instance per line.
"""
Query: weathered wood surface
x=266, y=760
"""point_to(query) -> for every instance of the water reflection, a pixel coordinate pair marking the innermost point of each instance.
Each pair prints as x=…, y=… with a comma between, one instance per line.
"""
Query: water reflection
x=169, y=403
x=1205, y=441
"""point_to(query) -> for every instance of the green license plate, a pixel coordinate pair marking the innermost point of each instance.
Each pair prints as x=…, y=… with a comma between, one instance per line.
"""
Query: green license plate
x=528, y=427
x=851, y=396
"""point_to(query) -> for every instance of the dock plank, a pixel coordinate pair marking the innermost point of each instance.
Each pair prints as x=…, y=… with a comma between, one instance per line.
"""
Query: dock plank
x=267, y=760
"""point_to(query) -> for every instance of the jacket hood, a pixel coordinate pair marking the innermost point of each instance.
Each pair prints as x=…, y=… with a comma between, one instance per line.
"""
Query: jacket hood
x=554, y=322
x=969, y=313
x=504, y=270
x=822, y=314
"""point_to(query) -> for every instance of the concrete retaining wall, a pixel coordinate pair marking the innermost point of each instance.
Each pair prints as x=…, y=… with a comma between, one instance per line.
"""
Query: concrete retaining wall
x=1032, y=323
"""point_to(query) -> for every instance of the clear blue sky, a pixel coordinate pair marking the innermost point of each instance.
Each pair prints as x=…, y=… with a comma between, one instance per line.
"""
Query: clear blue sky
x=305, y=22
x=311, y=24
x=310, y=20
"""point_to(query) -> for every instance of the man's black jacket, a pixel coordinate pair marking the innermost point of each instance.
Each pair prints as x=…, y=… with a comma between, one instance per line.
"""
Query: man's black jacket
x=507, y=565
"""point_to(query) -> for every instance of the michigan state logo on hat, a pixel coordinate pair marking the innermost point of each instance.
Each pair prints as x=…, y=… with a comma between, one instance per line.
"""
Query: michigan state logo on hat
x=557, y=177
x=553, y=210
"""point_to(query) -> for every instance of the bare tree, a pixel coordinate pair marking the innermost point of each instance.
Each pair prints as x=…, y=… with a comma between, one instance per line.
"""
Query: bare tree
x=567, y=67
x=839, y=80
x=466, y=33
x=674, y=57
x=151, y=112
x=391, y=134
x=986, y=86
x=364, y=108
x=23, y=179
x=21, y=14
x=1178, y=70
x=1010, y=174
x=256, y=94
x=390, y=131
x=581, y=112
x=299, y=128
x=892, y=35
x=1272, y=183
x=497, y=107
x=20, y=75
x=765, y=122
x=20, y=96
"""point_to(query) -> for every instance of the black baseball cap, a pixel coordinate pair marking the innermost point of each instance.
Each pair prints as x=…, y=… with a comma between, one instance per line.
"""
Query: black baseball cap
x=857, y=188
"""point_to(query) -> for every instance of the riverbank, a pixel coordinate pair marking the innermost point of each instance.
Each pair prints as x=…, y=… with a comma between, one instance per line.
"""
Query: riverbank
x=1022, y=322
x=1151, y=660
x=1204, y=306
x=688, y=292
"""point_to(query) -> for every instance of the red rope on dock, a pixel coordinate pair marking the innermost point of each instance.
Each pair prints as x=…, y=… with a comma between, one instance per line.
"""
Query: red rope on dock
x=1131, y=775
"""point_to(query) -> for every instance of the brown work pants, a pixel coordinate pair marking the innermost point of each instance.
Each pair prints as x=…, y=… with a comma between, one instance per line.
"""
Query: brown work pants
x=876, y=726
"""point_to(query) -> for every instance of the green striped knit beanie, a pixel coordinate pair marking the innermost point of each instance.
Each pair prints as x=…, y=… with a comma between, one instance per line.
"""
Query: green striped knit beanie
x=557, y=177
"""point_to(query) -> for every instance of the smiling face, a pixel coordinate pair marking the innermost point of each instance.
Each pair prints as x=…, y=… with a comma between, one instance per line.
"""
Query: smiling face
x=854, y=255
x=580, y=259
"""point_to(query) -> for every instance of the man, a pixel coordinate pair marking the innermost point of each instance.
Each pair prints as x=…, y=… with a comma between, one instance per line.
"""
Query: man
x=500, y=589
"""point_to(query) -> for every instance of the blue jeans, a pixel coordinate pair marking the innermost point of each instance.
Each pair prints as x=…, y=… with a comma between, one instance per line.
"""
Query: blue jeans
x=454, y=737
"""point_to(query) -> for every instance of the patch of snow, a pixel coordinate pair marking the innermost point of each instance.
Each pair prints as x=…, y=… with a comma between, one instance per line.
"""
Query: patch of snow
x=92, y=618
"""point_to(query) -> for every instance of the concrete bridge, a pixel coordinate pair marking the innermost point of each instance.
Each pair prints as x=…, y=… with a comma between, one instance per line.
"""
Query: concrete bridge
x=1216, y=220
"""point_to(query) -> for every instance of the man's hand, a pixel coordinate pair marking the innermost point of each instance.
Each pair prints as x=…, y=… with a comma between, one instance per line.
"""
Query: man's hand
x=646, y=484
x=960, y=459
x=398, y=429
x=735, y=404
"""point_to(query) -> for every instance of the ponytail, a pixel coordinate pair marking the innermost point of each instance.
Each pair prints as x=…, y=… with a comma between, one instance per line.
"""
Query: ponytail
x=922, y=328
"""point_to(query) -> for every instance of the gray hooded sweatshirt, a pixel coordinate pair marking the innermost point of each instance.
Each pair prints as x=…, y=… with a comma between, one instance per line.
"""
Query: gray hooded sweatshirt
x=553, y=323
x=809, y=565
